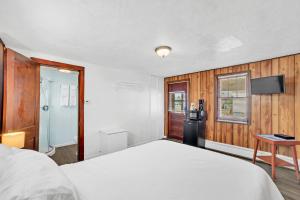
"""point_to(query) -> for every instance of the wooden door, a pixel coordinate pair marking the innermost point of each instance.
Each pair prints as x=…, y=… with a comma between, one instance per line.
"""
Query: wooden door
x=21, y=97
x=2, y=47
x=177, y=106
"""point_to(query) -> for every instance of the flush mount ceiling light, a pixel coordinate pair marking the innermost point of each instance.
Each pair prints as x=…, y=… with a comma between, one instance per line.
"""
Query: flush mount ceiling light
x=163, y=51
x=64, y=70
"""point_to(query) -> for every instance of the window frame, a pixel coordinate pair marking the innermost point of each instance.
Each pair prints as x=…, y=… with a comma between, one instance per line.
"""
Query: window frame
x=184, y=101
x=248, y=97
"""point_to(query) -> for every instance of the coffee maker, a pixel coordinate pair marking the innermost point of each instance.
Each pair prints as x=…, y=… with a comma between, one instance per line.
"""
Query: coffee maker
x=194, y=126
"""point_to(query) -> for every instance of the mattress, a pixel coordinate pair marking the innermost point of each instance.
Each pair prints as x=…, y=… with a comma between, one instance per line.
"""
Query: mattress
x=165, y=170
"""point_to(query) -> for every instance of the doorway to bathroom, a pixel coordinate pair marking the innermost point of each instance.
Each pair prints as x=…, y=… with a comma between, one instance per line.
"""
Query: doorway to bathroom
x=58, y=127
x=61, y=111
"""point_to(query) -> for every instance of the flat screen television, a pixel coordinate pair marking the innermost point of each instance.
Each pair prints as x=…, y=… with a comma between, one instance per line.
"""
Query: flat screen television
x=268, y=85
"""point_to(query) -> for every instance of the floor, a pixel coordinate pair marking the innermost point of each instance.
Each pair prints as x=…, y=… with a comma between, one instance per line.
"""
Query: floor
x=286, y=180
x=65, y=155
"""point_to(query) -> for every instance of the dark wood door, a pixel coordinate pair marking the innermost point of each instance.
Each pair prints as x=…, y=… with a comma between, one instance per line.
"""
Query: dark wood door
x=177, y=105
x=2, y=47
x=21, y=97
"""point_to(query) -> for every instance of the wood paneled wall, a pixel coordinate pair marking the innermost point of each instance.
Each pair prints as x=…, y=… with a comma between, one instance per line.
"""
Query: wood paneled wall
x=269, y=113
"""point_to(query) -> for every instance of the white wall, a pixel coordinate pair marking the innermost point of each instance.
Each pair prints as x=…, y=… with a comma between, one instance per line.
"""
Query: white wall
x=124, y=99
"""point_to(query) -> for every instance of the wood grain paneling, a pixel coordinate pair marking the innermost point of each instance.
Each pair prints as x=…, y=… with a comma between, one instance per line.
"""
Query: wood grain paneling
x=210, y=105
x=265, y=104
x=275, y=99
x=297, y=100
x=21, y=97
x=254, y=126
x=276, y=113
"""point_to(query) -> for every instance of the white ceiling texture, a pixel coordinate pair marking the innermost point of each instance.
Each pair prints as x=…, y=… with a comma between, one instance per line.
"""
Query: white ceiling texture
x=204, y=34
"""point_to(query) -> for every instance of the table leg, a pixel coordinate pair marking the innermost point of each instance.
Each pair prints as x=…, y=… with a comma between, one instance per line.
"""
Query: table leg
x=295, y=161
x=273, y=161
x=255, y=150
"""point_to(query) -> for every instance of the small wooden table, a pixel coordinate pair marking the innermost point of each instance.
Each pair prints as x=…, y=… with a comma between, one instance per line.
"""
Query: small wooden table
x=274, y=142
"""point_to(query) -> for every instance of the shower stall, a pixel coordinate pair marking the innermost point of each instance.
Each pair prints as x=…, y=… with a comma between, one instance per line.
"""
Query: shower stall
x=45, y=109
x=58, y=111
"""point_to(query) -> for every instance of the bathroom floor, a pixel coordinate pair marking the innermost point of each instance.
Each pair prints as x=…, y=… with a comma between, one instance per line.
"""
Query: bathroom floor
x=65, y=155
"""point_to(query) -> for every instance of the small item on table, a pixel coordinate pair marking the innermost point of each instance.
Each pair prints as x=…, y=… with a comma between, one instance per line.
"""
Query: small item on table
x=287, y=137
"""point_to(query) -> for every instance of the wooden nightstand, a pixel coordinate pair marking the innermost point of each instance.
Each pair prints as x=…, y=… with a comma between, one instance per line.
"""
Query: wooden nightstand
x=274, y=142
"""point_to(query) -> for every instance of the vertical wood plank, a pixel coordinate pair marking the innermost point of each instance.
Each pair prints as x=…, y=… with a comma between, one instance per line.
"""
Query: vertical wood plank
x=194, y=87
x=291, y=95
x=203, y=85
x=286, y=100
x=283, y=98
x=254, y=127
x=275, y=99
x=210, y=106
x=266, y=105
x=297, y=100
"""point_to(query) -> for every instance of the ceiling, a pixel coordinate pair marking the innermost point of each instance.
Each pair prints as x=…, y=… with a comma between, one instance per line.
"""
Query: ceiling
x=204, y=34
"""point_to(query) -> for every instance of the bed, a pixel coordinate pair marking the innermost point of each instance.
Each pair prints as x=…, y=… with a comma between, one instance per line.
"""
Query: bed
x=164, y=170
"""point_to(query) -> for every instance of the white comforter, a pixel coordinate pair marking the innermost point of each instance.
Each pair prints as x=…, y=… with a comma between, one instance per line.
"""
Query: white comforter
x=164, y=170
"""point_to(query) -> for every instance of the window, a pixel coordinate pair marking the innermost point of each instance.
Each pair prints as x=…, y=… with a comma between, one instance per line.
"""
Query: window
x=177, y=101
x=233, y=98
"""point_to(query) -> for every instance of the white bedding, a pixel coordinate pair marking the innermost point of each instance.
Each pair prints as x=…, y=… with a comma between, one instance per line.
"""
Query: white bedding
x=164, y=170
x=30, y=175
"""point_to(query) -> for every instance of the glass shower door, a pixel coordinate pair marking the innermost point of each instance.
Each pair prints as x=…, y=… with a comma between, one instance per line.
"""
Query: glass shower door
x=45, y=128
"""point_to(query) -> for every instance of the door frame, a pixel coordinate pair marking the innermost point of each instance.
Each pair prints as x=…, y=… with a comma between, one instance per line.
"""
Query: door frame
x=2, y=56
x=166, y=91
x=81, y=81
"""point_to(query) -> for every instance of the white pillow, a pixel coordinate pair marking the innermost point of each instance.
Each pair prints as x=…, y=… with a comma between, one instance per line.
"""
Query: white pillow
x=5, y=150
x=30, y=175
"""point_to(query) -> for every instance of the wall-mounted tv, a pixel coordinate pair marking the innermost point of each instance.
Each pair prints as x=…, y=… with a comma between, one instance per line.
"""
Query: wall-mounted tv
x=268, y=85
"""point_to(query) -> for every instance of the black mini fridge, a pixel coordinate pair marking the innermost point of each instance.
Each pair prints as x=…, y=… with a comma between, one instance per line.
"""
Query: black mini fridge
x=194, y=127
x=194, y=133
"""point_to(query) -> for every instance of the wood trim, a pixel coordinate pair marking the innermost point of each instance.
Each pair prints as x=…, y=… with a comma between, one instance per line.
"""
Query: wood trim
x=81, y=81
x=1, y=41
x=57, y=64
x=5, y=83
x=81, y=115
x=2, y=52
x=37, y=114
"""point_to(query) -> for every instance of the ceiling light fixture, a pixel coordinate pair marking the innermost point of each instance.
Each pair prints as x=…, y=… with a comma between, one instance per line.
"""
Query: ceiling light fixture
x=64, y=70
x=163, y=51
